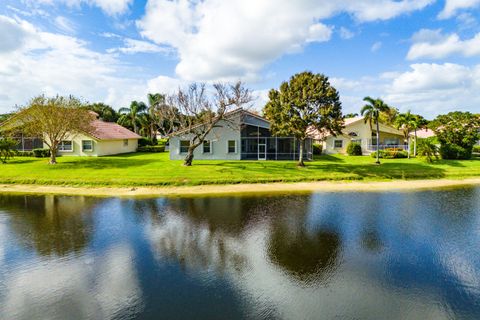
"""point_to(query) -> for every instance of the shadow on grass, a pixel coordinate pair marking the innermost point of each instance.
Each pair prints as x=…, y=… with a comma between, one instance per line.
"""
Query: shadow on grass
x=105, y=163
x=452, y=163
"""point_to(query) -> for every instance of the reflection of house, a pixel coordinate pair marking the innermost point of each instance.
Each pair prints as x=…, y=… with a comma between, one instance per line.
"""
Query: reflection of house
x=243, y=136
x=356, y=130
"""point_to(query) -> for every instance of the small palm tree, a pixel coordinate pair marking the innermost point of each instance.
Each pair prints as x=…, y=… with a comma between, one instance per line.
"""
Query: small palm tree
x=131, y=116
x=371, y=112
x=407, y=122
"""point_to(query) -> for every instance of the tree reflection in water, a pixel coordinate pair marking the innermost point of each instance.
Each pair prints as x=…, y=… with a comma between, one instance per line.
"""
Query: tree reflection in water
x=52, y=225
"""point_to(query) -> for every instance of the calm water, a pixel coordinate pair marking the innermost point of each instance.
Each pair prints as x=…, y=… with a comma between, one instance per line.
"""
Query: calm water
x=331, y=255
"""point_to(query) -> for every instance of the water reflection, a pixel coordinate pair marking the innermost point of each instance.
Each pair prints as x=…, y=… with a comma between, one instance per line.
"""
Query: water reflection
x=347, y=255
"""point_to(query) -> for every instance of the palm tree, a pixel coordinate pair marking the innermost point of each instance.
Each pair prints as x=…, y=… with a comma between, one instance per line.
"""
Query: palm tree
x=420, y=122
x=371, y=112
x=131, y=116
x=407, y=121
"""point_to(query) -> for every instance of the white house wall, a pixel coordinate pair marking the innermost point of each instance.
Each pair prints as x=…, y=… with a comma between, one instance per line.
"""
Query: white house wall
x=219, y=149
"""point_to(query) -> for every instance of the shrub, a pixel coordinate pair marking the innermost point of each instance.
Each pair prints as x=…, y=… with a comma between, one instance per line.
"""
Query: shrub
x=19, y=153
x=145, y=142
x=453, y=151
x=162, y=142
x=427, y=148
x=41, y=153
x=476, y=149
x=390, y=154
x=151, y=149
x=6, y=149
x=354, y=149
x=317, y=149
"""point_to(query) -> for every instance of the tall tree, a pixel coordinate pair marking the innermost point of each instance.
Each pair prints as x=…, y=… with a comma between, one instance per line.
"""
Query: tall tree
x=54, y=119
x=371, y=113
x=406, y=122
x=307, y=100
x=104, y=111
x=388, y=115
x=457, y=133
x=196, y=111
x=418, y=123
x=130, y=117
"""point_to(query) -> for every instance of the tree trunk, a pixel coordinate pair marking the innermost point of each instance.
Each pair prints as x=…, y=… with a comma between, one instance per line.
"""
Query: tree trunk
x=300, y=154
x=53, y=155
x=378, y=143
x=189, y=157
x=415, y=144
x=408, y=146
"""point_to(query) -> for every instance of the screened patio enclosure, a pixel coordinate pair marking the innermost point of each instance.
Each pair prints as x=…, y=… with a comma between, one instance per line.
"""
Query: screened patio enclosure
x=258, y=144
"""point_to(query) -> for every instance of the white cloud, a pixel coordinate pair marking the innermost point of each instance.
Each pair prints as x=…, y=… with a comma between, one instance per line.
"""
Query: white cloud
x=453, y=6
x=64, y=24
x=227, y=40
x=376, y=46
x=136, y=46
x=346, y=33
x=110, y=7
x=434, y=44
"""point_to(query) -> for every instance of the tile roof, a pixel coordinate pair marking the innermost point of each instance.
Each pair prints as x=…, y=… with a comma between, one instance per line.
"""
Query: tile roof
x=424, y=133
x=111, y=131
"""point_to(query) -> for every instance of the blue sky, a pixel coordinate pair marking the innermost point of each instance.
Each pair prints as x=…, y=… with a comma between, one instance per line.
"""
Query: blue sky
x=422, y=55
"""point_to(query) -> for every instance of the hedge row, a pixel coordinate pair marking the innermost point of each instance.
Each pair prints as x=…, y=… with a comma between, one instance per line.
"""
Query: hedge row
x=390, y=154
x=151, y=149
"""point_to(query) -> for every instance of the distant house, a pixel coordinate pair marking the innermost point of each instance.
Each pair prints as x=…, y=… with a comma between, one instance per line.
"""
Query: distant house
x=356, y=130
x=423, y=133
x=243, y=136
x=105, y=138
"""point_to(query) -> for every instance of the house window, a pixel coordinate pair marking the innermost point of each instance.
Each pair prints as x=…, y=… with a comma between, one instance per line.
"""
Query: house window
x=184, y=144
x=232, y=146
x=87, y=145
x=338, y=144
x=359, y=141
x=125, y=142
x=66, y=145
x=207, y=146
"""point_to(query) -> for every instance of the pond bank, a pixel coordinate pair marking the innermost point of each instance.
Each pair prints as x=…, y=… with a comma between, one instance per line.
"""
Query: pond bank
x=205, y=190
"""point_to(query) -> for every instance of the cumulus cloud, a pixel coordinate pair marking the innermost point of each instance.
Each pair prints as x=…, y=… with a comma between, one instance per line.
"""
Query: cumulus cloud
x=433, y=44
x=452, y=7
x=345, y=33
x=225, y=40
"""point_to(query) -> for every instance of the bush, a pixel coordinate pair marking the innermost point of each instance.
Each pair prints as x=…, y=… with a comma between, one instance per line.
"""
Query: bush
x=162, y=142
x=41, y=153
x=427, y=148
x=19, y=153
x=453, y=151
x=354, y=149
x=317, y=149
x=390, y=154
x=6, y=149
x=476, y=149
x=145, y=142
x=151, y=149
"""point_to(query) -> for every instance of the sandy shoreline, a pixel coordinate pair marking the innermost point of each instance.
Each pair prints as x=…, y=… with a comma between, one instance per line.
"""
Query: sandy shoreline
x=204, y=190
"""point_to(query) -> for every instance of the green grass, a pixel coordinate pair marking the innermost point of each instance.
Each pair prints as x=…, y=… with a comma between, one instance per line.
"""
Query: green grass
x=155, y=169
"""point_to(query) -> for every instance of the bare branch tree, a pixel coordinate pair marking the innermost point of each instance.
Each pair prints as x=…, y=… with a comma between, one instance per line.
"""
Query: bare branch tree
x=54, y=119
x=194, y=111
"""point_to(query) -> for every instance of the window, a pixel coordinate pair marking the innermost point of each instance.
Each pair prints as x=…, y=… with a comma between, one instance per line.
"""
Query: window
x=359, y=141
x=66, y=145
x=338, y=144
x=87, y=145
x=125, y=142
x=232, y=146
x=184, y=144
x=207, y=146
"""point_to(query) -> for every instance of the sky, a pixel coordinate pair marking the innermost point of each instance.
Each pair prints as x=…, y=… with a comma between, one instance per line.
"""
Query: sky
x=418, y=55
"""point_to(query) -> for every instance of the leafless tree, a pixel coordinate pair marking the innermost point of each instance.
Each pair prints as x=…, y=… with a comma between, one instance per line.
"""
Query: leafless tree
x=195, y=111
x=54, y=119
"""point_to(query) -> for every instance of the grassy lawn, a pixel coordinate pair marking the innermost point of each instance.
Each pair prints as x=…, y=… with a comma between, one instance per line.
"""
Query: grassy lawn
x=155, y=169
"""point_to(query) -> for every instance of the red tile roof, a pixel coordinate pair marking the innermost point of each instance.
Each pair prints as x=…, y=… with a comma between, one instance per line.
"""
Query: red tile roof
x=111, y=131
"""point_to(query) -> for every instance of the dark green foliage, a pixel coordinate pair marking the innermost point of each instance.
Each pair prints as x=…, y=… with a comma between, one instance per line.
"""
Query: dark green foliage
x=307, y=100
x=453, y=151
x=428, y=148
x=157, y=148
x=7, y=146
x=371, y=113
x=104, y=111
x=457, y=133
x=146, y=142
x=390, y=154
x=41, y=153
x=19, y=153
x=476, y=149
x=354, y=149
x=317, y=149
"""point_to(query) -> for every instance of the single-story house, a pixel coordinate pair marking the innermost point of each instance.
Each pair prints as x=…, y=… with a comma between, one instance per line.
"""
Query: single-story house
x=244, y=135
x=423, y=133
x=356, y=130
x=105, y=138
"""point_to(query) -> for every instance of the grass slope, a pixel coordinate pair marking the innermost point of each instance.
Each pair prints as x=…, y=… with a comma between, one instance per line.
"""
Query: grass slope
x=155, y=169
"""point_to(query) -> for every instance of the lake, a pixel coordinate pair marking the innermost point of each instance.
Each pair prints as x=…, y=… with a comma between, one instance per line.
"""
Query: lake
x=405, y=255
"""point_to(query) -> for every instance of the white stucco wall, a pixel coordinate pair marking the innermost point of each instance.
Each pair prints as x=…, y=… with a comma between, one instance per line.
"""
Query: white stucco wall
x=100, y=147
x=219, y=137
x=364, y=133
